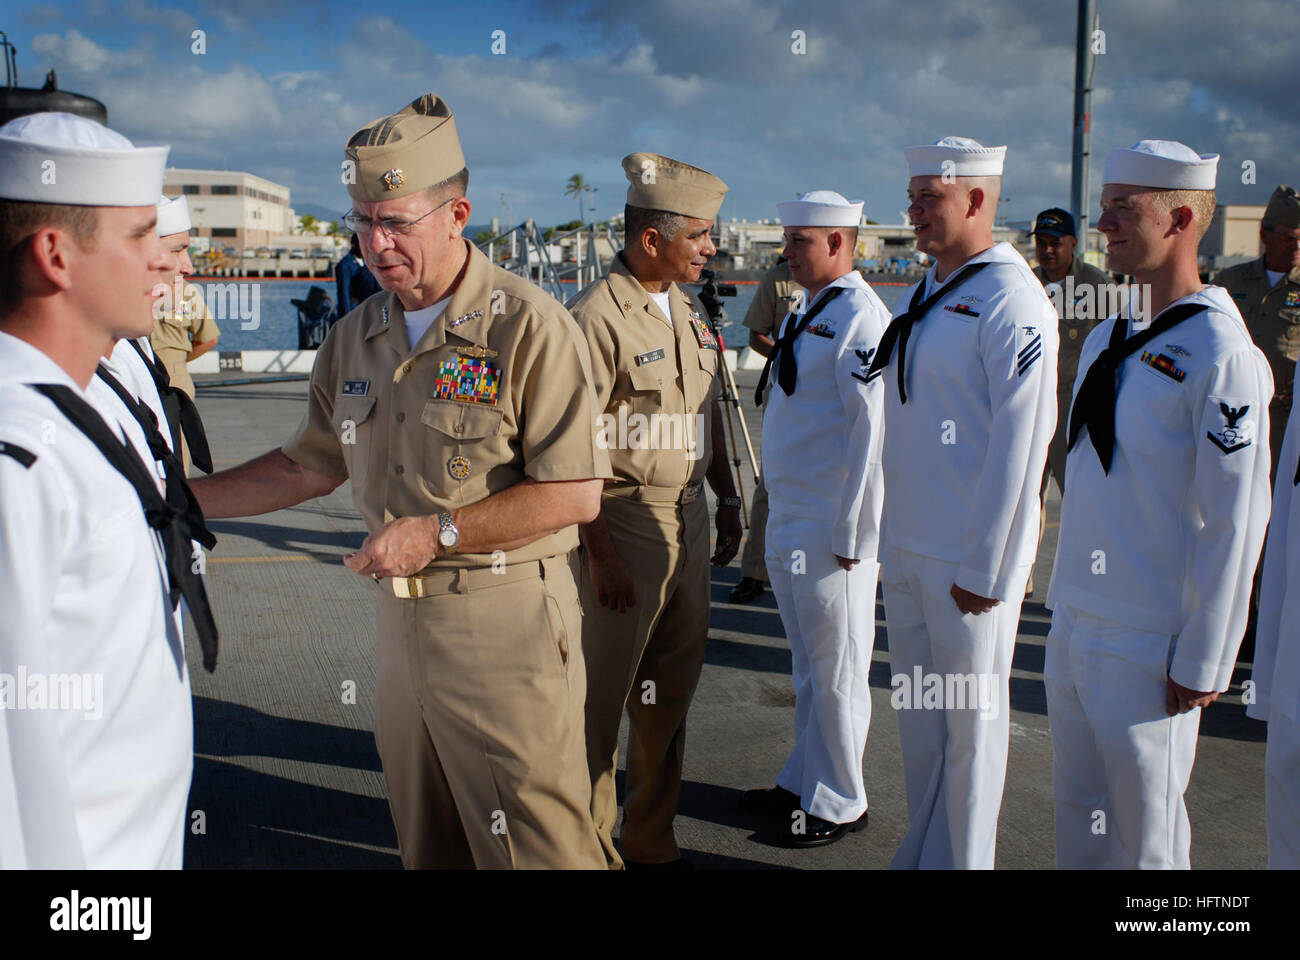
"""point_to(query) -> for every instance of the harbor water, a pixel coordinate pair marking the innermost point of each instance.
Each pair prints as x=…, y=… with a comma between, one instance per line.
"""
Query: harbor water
x=274, y=323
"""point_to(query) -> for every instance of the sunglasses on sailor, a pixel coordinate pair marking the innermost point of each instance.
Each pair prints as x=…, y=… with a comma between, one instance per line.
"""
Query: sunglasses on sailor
x=394, y=228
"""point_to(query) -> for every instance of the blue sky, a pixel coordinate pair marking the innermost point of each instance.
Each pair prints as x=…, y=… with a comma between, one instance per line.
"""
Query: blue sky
x=282, y=85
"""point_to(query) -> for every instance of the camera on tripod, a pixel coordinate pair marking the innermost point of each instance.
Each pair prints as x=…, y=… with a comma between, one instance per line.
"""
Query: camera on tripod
x=711, y=293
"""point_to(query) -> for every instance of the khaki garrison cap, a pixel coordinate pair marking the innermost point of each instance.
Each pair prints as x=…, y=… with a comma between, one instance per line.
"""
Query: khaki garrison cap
x=661, y=183
x=400, y=155
x=1283, y=208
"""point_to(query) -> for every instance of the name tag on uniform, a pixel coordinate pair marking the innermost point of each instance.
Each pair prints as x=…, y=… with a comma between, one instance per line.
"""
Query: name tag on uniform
x=356, y=388
x=643, y=358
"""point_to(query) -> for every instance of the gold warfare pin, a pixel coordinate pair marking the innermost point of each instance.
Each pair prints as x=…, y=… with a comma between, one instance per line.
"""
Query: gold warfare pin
x=458, y=467
x=474, y=350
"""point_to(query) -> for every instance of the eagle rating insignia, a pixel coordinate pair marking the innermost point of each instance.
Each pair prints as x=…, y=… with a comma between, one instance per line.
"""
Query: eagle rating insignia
x=864, y=359
x=1236, y=435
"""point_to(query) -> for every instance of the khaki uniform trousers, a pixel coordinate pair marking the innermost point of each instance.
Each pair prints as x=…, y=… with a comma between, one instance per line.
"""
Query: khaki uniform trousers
x=753, y=562
x=647, y=659
x=479, y=721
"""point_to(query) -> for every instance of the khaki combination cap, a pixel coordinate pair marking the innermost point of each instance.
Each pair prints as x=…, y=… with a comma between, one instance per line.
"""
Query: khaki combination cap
x=1283, y=208
x=413, y=149
x=662, y=183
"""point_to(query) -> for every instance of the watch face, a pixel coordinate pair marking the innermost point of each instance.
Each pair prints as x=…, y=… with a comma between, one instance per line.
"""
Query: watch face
x=447, y=538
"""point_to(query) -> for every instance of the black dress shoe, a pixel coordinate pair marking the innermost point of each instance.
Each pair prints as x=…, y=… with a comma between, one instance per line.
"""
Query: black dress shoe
x=819, y=833
x=776, y=801
x=748, y=589
x=678, y=864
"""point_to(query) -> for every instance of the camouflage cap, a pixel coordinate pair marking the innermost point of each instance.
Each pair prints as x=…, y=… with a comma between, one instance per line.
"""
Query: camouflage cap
x=396, y=156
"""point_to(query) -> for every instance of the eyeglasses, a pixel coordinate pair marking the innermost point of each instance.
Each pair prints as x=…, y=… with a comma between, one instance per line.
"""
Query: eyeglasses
x=394, y=228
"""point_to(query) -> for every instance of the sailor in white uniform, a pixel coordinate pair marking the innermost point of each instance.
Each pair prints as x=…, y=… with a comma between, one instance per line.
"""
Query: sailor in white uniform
x=124, y=361
x=822, y=435
x=124, y=364
x=1164, y=514
x=1276, y=673
x=96, y=741
x=969, y=369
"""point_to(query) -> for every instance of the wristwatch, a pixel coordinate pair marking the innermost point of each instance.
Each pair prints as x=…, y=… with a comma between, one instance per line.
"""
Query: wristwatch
x=448, y=533
x=729, y=502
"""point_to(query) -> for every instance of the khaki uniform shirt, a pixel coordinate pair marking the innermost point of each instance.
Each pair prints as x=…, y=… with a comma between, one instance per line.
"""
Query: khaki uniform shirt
x=1272, y=315
x=643, y=365
x=497, y=389
x=176, y=332
x=1075, y=329
x=776, y=296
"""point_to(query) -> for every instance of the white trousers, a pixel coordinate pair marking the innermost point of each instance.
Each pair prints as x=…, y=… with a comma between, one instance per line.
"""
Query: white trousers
x=954, y=755
x=1120, y=763
x=1282, y=792
x=829, y=619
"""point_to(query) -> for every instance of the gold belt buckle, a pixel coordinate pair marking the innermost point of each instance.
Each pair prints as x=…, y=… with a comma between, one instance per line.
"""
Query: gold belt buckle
x=408, y=588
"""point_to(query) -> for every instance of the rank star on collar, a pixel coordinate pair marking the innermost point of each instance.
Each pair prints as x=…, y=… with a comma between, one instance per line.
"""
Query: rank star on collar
x=466, y=318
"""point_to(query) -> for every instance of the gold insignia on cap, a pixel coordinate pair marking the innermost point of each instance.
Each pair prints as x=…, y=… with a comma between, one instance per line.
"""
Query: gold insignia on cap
x=627, y=304
x=458, y=467
x=399, y=155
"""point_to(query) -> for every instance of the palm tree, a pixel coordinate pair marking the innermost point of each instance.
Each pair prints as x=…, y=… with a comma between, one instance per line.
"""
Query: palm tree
x=306, y=223
x=576, y=187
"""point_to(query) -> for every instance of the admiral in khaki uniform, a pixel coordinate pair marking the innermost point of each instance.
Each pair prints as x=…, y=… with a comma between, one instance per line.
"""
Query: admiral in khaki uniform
x=643, y=569
x=1162, y=521
x=459, y=403
x=777, y=296
x=1267, y=292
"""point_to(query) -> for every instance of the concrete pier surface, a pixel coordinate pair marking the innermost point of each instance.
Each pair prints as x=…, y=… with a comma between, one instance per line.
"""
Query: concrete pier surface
x=286, y=773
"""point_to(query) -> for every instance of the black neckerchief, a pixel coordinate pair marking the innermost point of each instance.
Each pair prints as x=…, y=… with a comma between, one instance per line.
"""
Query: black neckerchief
x=1094, y=406
x=900, y=328
x=172, y=524
x=182, y=415
x=787, y=368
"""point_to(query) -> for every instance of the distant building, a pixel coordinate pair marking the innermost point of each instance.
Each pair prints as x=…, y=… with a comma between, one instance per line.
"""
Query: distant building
x=233, y=208
x=1233, y=235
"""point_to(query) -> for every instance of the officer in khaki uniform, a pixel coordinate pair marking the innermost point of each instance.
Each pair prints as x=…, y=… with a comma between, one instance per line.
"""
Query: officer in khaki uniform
x=776, y=296
x=1267, y=292
x=459, y=404
x=643, y=570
